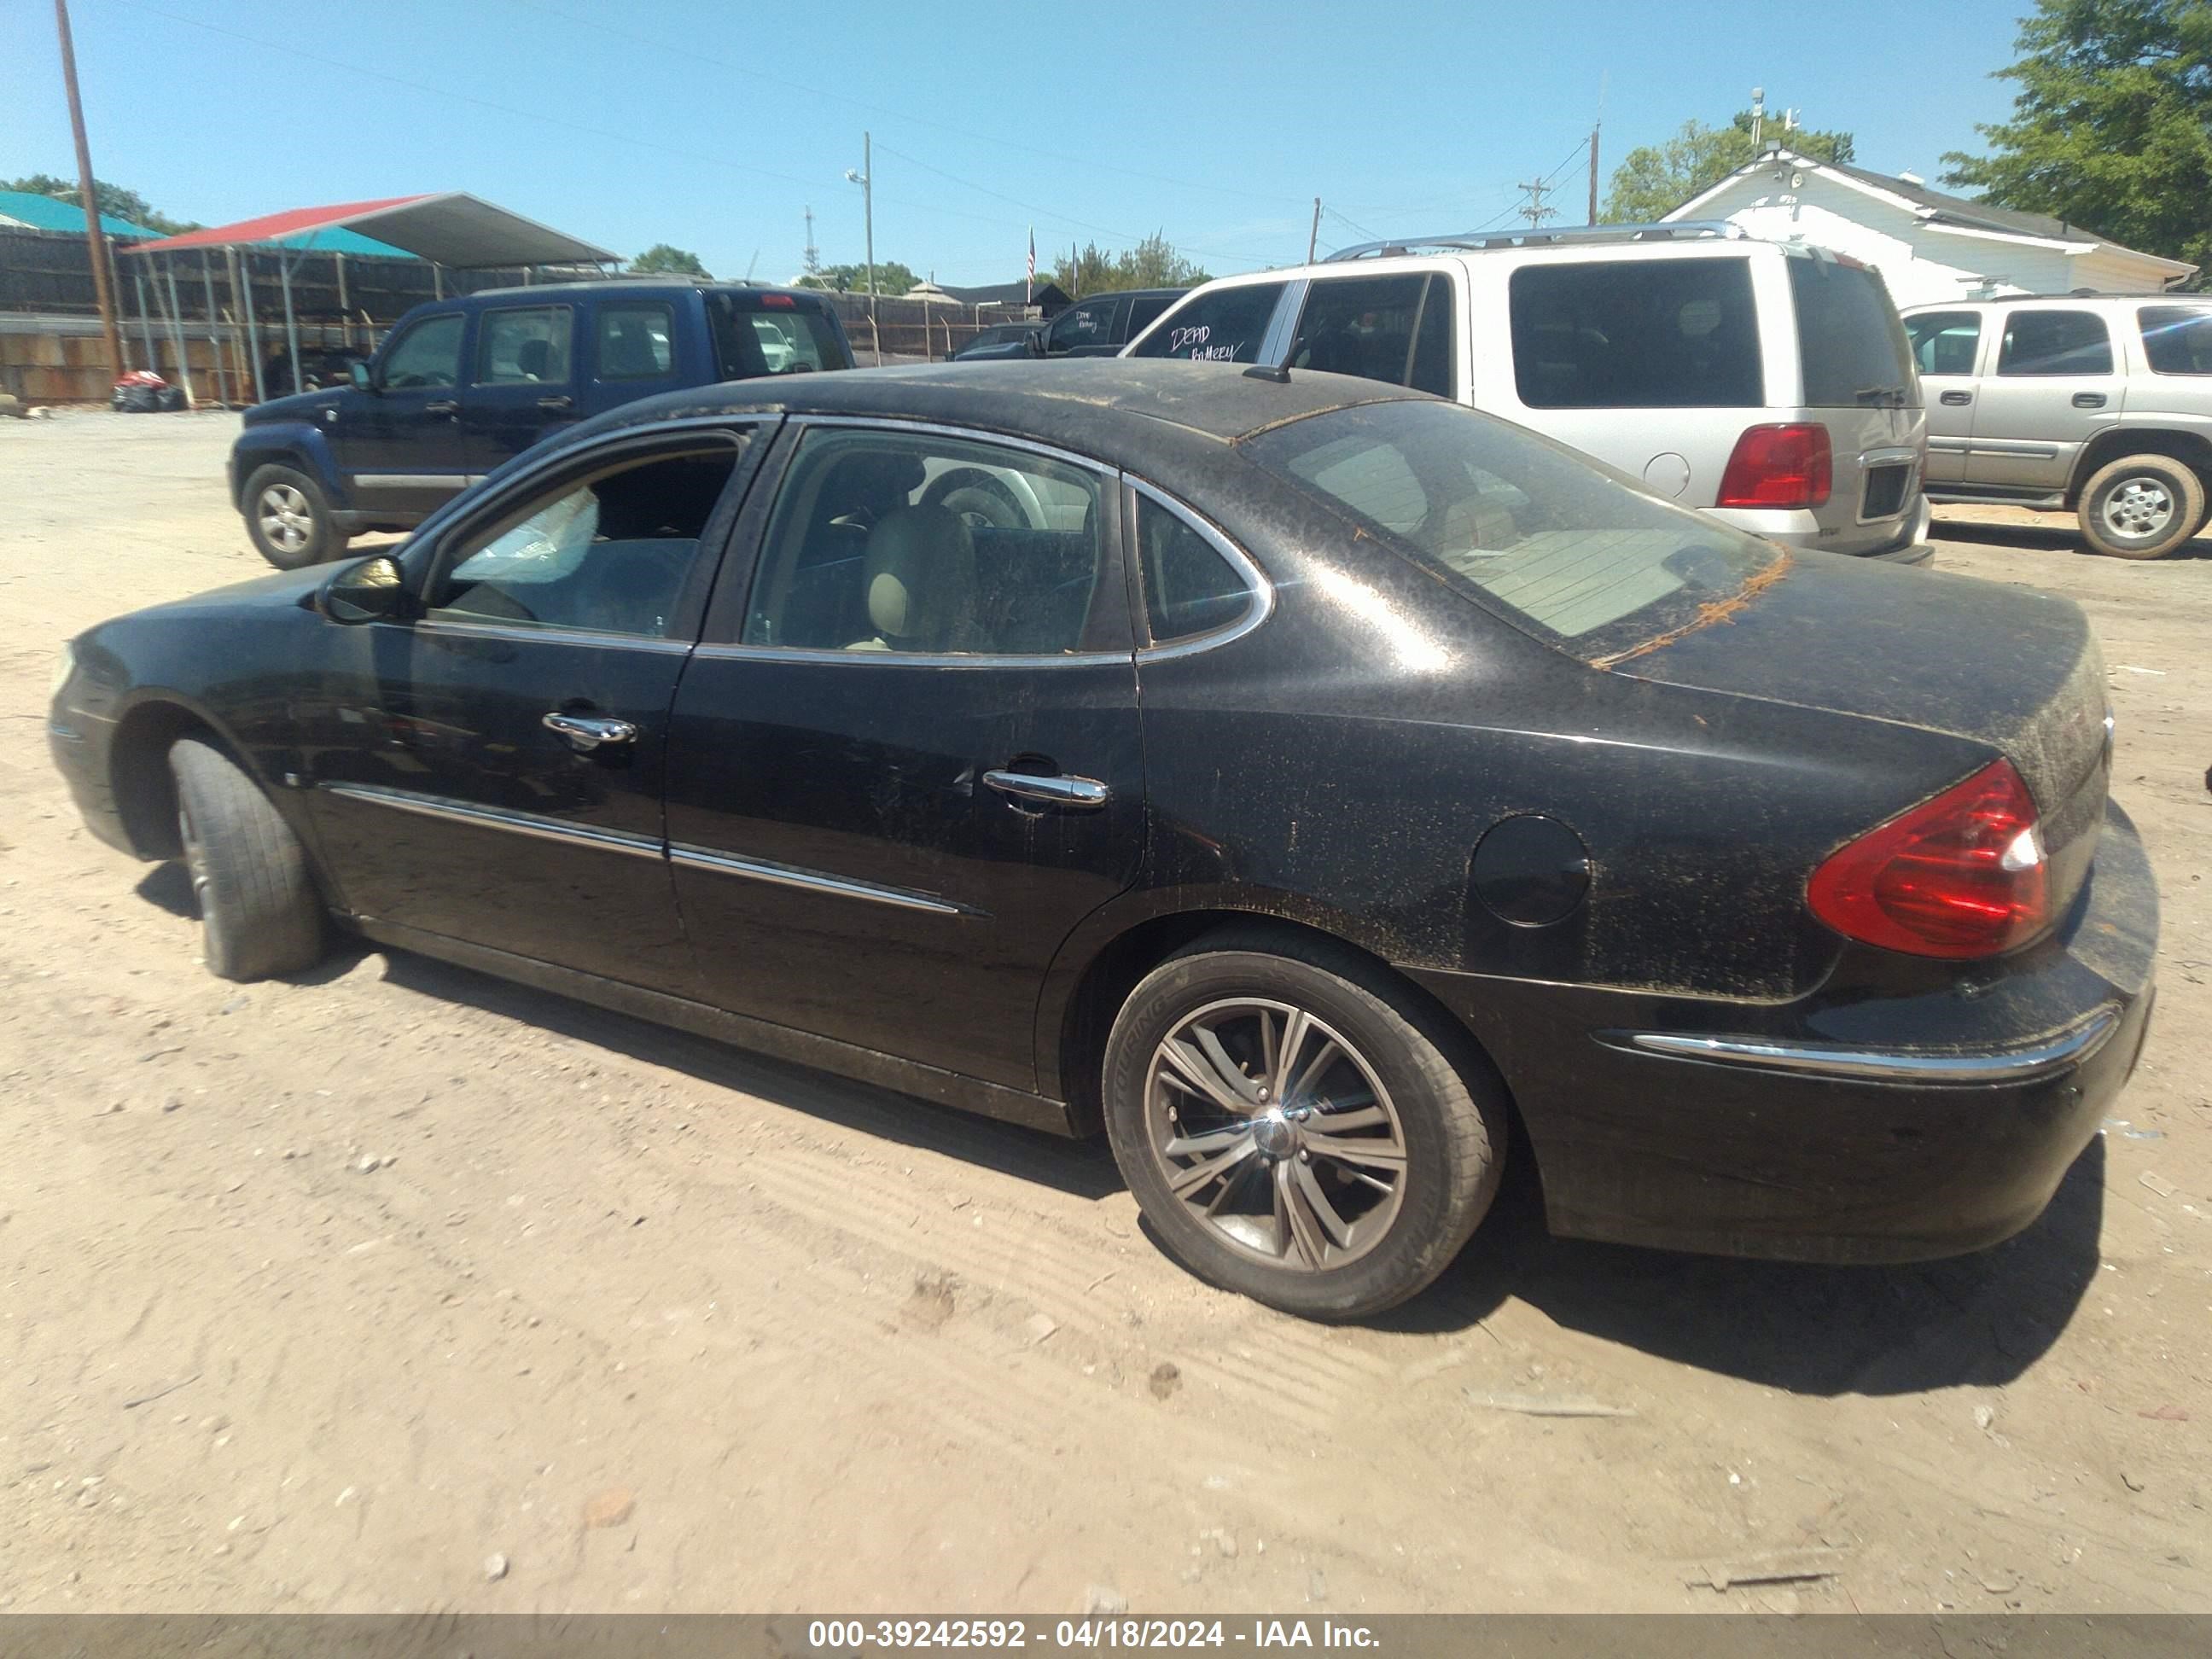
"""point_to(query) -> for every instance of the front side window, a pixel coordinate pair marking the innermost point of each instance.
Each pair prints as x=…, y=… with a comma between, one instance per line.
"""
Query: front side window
x=1190, y=587
x=608, y=554
x=524, y=347
x=1226, y=326
x=636, y=341
x=1945, y=341
x=1523, y=526
x=2176, y=339
x=1637, y=334
x=1397, y=329
x=911, y=543
x=1089, y=324
x=2055, y=343
x=427, y=355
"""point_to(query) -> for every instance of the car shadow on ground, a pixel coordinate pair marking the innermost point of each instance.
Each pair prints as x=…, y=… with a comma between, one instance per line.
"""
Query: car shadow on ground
x=1081, y=1168
x=2048, y=539
x=1979, y=1319
x=167, y=887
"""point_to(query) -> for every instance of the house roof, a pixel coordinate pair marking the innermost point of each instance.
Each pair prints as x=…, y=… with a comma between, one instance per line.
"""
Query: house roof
x=34, y=212
x=1044, y=293
x=1937, y=207
x=449, y=228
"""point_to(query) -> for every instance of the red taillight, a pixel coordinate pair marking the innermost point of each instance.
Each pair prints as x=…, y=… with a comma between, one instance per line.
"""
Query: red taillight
x=1962, y=875
x=779, y=302
x=1788, y=466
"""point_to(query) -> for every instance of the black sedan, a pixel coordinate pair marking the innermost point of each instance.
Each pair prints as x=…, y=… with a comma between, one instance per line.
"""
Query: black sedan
x=1312, y=783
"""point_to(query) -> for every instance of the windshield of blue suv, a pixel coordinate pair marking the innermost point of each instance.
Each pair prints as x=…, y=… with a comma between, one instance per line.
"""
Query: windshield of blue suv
x=1566, y=550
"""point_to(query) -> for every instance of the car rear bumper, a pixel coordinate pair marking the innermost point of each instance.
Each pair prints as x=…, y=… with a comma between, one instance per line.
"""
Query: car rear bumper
x=1902, y=540
x=1835, y=1129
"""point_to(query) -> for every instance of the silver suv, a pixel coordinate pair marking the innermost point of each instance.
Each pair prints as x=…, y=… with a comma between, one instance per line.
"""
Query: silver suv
x=2100, y=406
x=1769, y=384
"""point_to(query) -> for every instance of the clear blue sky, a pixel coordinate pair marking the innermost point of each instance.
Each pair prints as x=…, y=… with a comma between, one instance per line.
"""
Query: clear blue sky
x=713, y=125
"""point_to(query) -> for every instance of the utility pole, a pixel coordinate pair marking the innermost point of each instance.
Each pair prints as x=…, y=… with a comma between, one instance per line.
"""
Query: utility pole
x=812, y=265
x=1535, y=213
x=95, y=239
x=1593, y=193
x=865, y=178
x=1314, y=235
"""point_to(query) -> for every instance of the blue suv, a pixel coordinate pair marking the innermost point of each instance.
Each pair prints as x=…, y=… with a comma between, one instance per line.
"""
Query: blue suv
x=461, y=386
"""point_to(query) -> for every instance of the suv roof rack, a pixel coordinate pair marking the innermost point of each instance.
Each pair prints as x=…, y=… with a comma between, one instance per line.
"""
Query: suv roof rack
x=1680, y=230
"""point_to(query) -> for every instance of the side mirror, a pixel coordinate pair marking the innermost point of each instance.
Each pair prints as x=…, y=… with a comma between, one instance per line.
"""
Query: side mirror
x=362, y=382
x=374, y=590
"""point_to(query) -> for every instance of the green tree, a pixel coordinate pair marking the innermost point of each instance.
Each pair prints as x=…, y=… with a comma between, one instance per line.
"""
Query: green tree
x=114, y=201
x=2112, y=124
x=673, y=261
x=892, y=279
x=1653, y=180
x=1153, y=262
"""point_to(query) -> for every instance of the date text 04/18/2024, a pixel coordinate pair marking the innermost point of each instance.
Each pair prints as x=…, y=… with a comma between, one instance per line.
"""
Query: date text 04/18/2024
x=852, y=1635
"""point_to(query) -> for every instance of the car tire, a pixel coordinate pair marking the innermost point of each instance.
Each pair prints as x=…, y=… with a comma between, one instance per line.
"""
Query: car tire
x=261, y=915
x=2142, y=506
x=983, y=501
x=1402, y=1185
x=289, y=519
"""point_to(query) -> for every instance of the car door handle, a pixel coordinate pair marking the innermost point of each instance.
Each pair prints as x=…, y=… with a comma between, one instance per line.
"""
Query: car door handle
x=2088, y=400
x=588, y=731
x=1958, y=399
x=1084, y=794
x=557, y=405
x=443, y=406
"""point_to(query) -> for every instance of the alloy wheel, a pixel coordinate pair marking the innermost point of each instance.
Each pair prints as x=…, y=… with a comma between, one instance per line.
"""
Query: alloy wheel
x=287, y=521
x=1276, y=1133
x=2138, y=508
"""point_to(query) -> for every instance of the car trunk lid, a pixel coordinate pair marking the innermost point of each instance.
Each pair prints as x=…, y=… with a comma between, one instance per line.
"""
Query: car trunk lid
x=2016, y=670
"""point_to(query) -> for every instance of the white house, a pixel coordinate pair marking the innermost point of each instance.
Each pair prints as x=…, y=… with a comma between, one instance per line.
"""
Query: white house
x=1927, y=245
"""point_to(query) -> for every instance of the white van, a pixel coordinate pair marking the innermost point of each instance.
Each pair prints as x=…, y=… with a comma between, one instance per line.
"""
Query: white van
x=1771, y=385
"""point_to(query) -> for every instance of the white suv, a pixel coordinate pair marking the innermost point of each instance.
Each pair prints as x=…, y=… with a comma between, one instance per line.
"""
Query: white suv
x=1769, y=384
x=2097, y=405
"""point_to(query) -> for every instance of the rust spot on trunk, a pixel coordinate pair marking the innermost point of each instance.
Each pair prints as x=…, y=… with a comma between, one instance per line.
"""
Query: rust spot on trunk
x=1708, y=616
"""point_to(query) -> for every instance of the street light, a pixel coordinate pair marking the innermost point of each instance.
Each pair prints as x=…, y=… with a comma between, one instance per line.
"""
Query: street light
x=865, y=179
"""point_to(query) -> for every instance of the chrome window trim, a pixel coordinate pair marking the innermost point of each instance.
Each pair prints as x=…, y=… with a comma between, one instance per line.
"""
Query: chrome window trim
x=901, y=425
x=2039, y=1057
x=1260, y=590
x=691, y=856
x=494, y=818
x=436, y=623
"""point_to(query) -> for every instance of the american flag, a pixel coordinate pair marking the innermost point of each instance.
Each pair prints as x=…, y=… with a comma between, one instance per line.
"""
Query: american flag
x=1028, y=285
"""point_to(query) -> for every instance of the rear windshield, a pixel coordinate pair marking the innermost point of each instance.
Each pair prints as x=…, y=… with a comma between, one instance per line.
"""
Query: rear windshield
x=1636, y=334
x=2177, y=339
x=1571, y=552
x=758, y=335
x=1850, y=344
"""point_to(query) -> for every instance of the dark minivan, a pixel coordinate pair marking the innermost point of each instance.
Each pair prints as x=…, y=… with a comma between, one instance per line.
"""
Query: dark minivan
x=464, y=383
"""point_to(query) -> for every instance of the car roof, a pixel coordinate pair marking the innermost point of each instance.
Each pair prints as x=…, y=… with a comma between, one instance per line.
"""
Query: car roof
x=1102, y=405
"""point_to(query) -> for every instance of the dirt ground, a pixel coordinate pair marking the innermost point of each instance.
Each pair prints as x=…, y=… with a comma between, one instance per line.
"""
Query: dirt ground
x=667, y=1327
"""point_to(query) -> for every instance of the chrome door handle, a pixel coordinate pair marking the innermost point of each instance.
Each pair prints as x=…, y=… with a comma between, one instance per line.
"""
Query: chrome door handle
x=589, y=732
x=557, y=405
x=2088, y=400
x=443, y=406
x=1084, y=794
x=1957, y=398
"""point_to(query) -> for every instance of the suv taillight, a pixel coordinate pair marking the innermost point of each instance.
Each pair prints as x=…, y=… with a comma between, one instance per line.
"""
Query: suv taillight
x=1790, y=466
x=1962, y=875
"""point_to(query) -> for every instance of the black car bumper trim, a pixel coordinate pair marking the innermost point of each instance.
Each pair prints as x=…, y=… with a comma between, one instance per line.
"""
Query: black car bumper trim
x=2027, y=1062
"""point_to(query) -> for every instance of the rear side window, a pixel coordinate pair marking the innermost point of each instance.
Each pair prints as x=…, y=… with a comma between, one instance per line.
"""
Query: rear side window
x=1945, y=341
x=428, y=355
x=2177, y=339
x=1397, y=329
x=636, y=341
x=522, y=346
x=2055, y=343
x=1191, y=588
x=1850, y=346
x=758, y=337
x=1637, y=334
x=1521, y=525
x=1224, y=326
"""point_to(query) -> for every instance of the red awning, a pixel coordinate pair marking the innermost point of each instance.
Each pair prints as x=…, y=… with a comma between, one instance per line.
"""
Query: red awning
x=452, y=228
